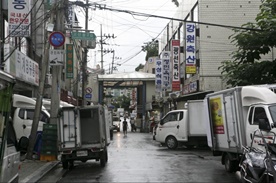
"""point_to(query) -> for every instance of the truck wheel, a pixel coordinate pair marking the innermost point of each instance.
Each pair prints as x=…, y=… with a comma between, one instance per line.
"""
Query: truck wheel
x=230, y=165
x=171, y=142
x=103, y=159
x=71, y=164
x=106, y=156
x=65, y=164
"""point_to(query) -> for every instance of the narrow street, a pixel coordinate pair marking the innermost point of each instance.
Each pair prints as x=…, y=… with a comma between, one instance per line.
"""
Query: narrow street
x=138, y=158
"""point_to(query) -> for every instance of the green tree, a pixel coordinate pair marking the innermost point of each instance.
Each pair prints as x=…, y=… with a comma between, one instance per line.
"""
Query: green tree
x=151, y=48
x=121, y=102
x=252, y=44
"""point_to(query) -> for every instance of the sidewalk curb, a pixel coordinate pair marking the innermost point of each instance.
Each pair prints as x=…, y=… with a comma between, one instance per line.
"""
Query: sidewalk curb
x=39, y=173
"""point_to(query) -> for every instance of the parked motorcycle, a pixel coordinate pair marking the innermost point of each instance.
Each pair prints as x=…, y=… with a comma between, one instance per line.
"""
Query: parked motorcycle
x=258, y=164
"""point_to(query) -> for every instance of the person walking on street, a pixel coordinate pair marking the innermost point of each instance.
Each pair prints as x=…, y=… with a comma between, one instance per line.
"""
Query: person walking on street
x=133, y=127
x=125, y=126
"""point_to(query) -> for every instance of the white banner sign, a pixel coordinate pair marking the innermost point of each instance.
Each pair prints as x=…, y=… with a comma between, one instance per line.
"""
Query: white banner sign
x=26, y=69
x=190, y=44
x=166, y=76
x=56, y=57
x=19, y=18
x=158, y=76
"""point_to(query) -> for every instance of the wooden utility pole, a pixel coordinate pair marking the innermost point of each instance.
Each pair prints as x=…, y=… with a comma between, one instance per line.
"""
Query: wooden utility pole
x=44, y=68
x=84, y=60
x=101, y=49
x=56, y=69
x=112, y=67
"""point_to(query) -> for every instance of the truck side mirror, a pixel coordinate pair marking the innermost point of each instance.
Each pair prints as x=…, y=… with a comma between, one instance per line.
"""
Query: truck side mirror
x=264, y=125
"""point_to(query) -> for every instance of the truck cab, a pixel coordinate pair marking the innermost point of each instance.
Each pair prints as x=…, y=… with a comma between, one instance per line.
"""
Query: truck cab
x=171, y=128
x=23, y=114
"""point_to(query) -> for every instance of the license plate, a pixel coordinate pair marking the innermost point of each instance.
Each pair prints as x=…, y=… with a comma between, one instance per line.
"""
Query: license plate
x=82, y=153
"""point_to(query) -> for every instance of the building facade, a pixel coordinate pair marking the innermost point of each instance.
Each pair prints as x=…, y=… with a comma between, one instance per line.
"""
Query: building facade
x=214, y=22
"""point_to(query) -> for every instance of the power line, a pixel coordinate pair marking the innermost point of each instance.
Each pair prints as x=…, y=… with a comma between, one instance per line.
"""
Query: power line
x=133, y=13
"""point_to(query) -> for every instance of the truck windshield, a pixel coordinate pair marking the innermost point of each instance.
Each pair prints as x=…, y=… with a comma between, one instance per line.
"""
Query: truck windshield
x=272, y=110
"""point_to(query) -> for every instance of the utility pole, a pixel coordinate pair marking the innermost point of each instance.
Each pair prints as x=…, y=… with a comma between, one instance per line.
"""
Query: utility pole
x=112, y=62
x=101, y=48
x=84, y=60
x=43, y=67
x=1, y=36
x=56, y=69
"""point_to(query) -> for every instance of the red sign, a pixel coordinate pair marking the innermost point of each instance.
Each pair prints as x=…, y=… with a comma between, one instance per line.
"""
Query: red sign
x=175, y=65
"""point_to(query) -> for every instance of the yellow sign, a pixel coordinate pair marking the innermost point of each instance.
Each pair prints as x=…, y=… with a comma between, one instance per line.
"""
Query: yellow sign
x=216, y=111
x=191, y=69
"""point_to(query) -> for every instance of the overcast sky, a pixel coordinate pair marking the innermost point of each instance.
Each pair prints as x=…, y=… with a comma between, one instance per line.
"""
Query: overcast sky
x=130, y=31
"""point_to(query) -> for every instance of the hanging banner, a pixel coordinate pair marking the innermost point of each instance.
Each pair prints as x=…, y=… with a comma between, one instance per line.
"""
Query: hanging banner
x=166, y=76
x=69, y=61
x=26, y=68
x=190, y=46
x=175, y=65
x=158, y=76
x=19, y=18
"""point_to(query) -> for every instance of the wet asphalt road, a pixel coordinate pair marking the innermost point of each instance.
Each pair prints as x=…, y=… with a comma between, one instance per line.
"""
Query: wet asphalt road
x=138, y=158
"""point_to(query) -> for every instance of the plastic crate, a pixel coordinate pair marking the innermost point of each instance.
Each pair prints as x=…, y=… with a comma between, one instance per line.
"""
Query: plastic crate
x=49, y=148
x=49, y=137
x=48, y=157
x=49, y=132
x=48, y=152
x=49, y=127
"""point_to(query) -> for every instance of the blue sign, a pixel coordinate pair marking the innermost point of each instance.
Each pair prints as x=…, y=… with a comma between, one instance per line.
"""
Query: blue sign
x=56, y=39
x=88, y=95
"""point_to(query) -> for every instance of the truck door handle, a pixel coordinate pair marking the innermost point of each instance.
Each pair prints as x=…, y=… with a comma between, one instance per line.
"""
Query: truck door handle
x=177, y=126
x=24, y=126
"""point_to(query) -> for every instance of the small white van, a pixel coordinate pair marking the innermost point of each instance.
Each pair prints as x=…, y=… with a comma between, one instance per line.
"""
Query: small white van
x=23, y=114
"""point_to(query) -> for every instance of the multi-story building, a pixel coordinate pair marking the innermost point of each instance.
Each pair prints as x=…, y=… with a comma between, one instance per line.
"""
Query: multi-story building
x=213, y=23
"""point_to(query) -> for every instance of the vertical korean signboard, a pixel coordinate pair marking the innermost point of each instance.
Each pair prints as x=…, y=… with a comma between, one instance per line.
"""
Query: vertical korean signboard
x=71, y=16
x=158, y=76
x=19, y=18
x=175, y=65
x=69, y=61
x=190, y=48
x=166, y=77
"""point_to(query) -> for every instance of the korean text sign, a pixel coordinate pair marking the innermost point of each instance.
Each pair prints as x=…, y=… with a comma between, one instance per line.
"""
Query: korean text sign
x=158, y=76
x=19, y=18
x=69, y=61
x=190, y=50
x=175, y=65
x=166, y=73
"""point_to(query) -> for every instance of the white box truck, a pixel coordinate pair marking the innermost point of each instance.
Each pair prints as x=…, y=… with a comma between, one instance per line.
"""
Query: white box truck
x=83, y=134
x=183, y=126
x=233, y=115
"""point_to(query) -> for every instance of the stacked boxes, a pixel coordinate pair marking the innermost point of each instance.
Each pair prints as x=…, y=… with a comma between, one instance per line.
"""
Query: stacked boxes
x=49, y=148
